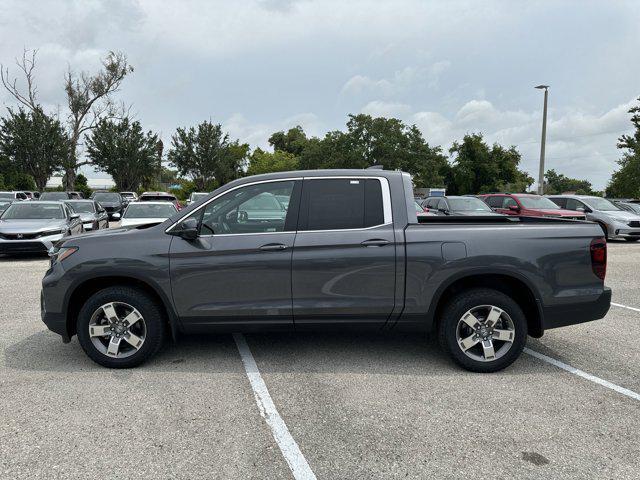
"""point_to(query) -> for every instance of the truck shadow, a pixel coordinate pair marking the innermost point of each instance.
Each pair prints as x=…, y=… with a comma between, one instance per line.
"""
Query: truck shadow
x=370, y=353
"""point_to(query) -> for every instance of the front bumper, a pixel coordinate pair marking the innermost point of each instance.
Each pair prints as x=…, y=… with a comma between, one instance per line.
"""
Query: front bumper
x=56, y=322
x=577, y=312
x=35, y=245
x=626, y=233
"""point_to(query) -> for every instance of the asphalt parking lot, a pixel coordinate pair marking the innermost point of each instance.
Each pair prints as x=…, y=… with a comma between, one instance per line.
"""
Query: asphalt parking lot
x=357, y=406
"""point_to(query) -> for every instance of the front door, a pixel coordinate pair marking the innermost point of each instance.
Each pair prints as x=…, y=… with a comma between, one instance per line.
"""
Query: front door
x=238, y=270
x=344, y=258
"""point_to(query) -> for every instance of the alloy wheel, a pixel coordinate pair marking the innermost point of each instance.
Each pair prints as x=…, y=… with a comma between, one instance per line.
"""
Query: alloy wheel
x=117, y=330
x=485, y=333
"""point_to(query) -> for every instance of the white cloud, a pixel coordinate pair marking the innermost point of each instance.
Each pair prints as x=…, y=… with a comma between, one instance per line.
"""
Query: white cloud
x=378, y=108
x=579, y=144
x=400, y=82
x=257, y=134
x=450, y=67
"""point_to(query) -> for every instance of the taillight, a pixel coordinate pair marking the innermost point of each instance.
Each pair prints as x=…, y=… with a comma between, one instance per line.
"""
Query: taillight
x=599, y=257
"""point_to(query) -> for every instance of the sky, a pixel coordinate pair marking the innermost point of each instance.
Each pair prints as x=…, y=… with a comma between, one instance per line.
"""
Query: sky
x=449, y=67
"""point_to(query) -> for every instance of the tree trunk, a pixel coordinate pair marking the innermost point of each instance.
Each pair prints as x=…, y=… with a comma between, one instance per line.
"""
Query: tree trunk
x=69, y=179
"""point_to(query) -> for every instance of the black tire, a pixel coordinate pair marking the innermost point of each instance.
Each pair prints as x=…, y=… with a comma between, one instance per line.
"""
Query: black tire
x=467, y=300
x=154, y=320
x=632, y=239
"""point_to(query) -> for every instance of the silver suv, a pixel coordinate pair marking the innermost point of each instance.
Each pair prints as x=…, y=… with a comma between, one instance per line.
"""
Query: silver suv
x=615, y=222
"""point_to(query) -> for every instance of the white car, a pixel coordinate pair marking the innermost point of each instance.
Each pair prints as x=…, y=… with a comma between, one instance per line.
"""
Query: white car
x=144, y=213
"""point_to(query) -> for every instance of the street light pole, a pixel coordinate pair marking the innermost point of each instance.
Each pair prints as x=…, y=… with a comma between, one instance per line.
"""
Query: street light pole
x=544, y=139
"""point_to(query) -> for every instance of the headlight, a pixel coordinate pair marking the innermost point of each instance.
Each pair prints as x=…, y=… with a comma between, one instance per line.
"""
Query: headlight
x=50, y=232
x=58, y=254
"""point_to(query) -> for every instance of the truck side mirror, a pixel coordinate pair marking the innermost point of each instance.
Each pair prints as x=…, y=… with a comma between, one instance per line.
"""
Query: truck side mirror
x=514, y=208
x=187, y=230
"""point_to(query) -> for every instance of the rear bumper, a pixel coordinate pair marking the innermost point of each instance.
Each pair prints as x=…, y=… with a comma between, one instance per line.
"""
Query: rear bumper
x=574, y=313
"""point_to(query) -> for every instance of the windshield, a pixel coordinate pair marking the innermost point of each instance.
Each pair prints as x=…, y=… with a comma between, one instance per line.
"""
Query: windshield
x=468, y=204
x=601, y=204
x=141, y=210
x=31, y=211
x=538, y=202
x=106, y=197
x=4, y=205
x=264, y=201
x=81, y=207
x=632, y=207
x=54, y=196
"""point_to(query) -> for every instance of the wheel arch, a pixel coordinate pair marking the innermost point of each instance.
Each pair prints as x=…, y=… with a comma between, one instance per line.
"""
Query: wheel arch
x=512, y=284
x=84, y=289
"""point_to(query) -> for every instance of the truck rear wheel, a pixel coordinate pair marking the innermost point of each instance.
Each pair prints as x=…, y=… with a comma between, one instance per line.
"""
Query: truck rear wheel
x=121, y=327
x=483, y=330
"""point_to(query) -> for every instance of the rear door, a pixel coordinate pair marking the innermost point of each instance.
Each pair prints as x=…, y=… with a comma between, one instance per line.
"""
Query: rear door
x=344, y=257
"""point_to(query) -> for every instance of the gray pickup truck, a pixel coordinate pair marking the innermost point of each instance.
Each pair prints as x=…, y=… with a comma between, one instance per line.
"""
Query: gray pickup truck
x=326, y=249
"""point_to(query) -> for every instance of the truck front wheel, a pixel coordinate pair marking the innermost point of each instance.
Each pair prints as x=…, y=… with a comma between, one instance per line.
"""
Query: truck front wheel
x=121, y=327
x=483, y=330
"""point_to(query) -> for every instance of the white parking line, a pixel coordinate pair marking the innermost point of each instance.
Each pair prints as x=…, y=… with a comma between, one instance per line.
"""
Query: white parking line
x=624, y=306
x=585, y=375
x=288, y=446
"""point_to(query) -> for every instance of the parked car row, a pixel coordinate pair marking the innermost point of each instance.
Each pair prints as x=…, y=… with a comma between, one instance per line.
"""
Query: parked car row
x=618, y=218
x=35, y=226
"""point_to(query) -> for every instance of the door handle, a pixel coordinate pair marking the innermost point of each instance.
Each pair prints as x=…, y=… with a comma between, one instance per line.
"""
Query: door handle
x=375, y=242
x=271, y=247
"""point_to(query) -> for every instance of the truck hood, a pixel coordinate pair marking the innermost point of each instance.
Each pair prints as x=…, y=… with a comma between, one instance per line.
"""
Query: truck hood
x=132, y=222
x=473, y=213
x=557, y=212
x=623, y=214
x=31, y=226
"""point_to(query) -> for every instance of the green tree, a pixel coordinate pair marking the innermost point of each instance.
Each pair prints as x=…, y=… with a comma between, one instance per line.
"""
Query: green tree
x=34, y=143
x=557, y=183
x=294, y=141
x=478, y=168
x=207, y=156
x=625, y=182
x=125, y=152
x=267, y=162
x=89, y=100
x=368, y=141
x=82, y=185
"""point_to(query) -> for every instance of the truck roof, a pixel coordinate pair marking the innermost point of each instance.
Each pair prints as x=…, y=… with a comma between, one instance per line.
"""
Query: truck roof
x=352, y=172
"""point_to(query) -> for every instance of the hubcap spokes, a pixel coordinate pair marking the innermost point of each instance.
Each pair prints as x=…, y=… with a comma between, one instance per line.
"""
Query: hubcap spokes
x=114, y=322
x=485, y=333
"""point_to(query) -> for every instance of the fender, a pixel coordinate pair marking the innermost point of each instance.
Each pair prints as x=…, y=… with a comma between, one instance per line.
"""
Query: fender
x=174, y=319
x=475, y=271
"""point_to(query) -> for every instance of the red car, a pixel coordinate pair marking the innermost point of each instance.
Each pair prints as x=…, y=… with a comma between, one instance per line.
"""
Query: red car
x=528, y=205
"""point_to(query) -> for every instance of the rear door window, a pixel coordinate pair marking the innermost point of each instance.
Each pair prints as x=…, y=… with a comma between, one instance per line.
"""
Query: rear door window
x=509, y=202
x=572, y=204
x=561, y=202
x=341, y=203
x=495, y=202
